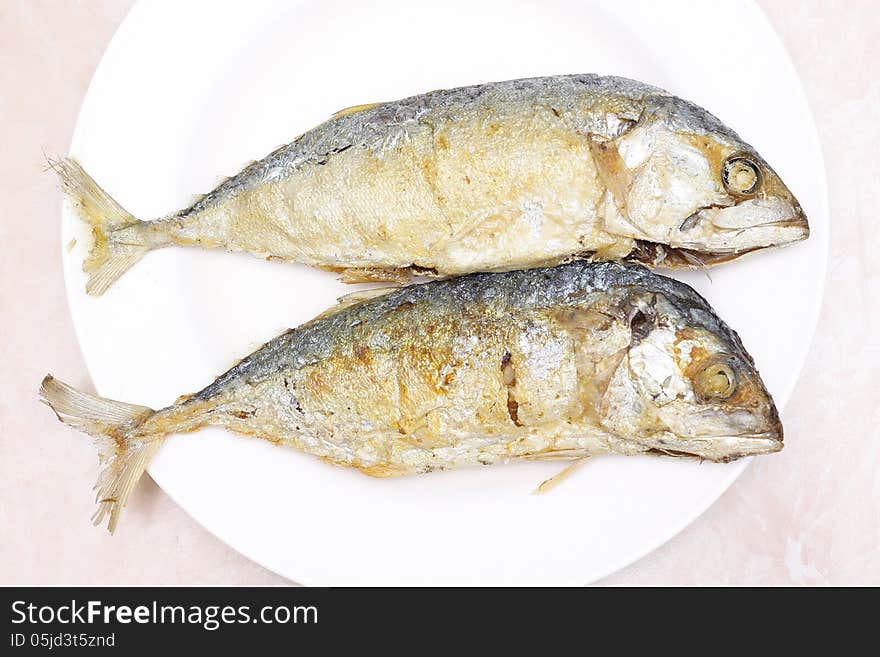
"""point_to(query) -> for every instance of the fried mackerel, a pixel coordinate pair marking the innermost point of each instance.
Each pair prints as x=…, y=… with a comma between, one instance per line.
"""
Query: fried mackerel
x=494, y=177
x=559, y=363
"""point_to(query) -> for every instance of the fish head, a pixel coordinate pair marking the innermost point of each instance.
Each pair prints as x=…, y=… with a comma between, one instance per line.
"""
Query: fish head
x=686, y=386
x=679, y=177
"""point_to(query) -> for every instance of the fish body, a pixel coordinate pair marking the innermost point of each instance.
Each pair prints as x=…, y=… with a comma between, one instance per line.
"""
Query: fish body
x=493, y=177
x=557, y=363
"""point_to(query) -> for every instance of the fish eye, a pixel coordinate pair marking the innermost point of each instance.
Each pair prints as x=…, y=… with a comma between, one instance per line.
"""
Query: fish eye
x=741, y=175
x=716, y=381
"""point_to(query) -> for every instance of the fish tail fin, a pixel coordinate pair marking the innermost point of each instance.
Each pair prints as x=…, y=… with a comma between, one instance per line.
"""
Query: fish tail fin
x=111, y=254
x=122, y=453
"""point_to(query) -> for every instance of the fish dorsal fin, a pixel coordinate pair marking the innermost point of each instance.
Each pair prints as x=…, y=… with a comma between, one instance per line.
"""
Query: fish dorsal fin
x=354, y=109
x=354, y=298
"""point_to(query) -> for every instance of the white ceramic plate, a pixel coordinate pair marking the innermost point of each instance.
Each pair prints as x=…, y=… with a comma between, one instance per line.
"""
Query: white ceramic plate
x=189, y=92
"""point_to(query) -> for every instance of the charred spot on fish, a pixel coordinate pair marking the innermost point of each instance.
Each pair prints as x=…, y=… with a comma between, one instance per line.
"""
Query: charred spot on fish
x=362, y=353
x=647, y=253
x=418, y=270
x=513, y=409
x=508, y=378
x=245, y=414
x=641, y=322
x=556, y=112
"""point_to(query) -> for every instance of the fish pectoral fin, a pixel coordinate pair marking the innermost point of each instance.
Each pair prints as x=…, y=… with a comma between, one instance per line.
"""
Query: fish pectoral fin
x=556, y=479
x=352, y=298
x=612, y=170
x=374, y=275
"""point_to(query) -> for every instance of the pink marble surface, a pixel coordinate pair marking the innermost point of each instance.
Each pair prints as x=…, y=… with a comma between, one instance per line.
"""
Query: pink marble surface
x=810, y=517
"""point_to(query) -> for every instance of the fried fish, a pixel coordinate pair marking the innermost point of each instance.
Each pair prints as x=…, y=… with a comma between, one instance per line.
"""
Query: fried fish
x=559, y=363
x=493, y=177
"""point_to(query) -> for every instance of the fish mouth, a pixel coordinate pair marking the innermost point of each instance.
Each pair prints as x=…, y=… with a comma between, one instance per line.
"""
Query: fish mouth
x=723, y=448
x=751, y=214
x=735, y=230
x=795, y=226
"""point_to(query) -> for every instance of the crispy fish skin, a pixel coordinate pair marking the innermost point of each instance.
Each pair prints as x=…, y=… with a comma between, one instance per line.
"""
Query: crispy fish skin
x=494, y=177
x=558, y=363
